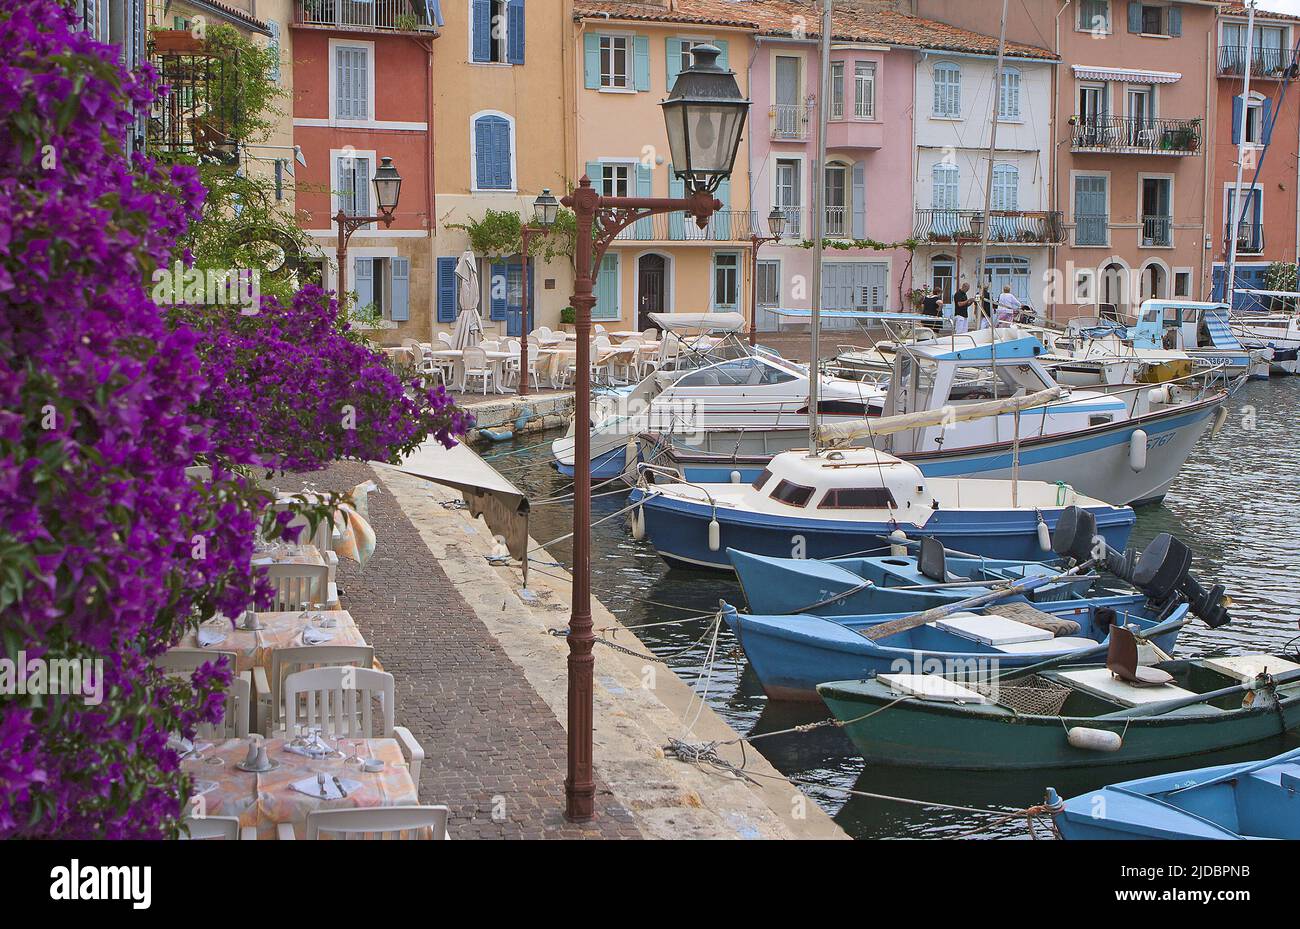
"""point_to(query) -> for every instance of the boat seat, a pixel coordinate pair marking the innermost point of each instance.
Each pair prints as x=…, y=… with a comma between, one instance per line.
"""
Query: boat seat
x=991, y=629
x=931, y=687
x=1057, y=646
x=933, y=562
x=1030, y=615
x=1122, y=660
x=1099, y=682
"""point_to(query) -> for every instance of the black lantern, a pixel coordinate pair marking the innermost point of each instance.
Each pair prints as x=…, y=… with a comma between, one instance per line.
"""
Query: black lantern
x=545, y=209
x=977, y=226
x=776, y=221
x=705, y=116
x=388, y=185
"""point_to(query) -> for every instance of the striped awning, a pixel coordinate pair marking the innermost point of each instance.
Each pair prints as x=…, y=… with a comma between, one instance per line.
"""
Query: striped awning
x=1128, y=75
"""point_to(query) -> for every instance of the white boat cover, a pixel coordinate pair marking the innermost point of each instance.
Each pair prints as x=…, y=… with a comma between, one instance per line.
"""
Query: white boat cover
x=837, y=433
x=699, y=322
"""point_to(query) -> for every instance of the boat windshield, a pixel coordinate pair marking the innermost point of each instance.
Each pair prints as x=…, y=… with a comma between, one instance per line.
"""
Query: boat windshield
x=792, y=494
x=761, y=479
x=742, y=372
x=974, y=383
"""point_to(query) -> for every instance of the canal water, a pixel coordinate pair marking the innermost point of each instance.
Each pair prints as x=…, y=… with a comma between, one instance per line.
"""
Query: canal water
x=1236, y=503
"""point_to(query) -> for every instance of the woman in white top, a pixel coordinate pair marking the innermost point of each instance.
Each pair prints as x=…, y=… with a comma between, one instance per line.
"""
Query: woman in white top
x=1008, y=306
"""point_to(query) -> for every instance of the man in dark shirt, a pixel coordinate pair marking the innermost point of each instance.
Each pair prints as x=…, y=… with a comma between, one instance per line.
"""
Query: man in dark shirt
x=961, y=303
x=930, y=305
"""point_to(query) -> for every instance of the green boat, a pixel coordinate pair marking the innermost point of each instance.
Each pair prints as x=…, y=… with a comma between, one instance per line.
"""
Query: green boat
x=1081, y=717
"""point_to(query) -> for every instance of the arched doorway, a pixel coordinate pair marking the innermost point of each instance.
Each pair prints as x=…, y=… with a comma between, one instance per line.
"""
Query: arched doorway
x=1114, y=291
x=1154, y=282
x=652, y=283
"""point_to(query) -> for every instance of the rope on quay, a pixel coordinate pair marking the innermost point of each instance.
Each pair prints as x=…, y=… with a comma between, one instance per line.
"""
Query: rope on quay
x=657, y=659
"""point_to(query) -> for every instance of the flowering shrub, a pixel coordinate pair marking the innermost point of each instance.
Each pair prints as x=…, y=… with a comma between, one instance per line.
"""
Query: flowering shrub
x=108, y=549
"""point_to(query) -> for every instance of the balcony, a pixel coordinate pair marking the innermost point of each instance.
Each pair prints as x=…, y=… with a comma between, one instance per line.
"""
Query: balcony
x=1124, y=135
x=854, y=134
x=363, y=15
x=1250, y=238
x=1091, y=229
x=791, y=123
x=724, y=226
x=1004, y=227
x=1157, y=231
x=200, y=115
x=1264, y=62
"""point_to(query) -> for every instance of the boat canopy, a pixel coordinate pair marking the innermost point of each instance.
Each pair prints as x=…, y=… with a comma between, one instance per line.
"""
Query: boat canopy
x=1011, y=345
x=1269, y=293
x=699, y=322
x=860, y=314
x=837, y=433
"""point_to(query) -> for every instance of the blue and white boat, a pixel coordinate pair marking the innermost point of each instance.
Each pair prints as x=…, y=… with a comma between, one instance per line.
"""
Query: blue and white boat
x=893, y=583
x=1250, y=800
x=793, y=654
x=840, y=503
x=1204, y=332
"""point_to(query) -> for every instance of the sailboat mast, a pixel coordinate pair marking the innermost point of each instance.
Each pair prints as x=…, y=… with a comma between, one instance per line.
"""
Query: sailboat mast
x=988, y=202
x=819, y=225
x=1230, y=277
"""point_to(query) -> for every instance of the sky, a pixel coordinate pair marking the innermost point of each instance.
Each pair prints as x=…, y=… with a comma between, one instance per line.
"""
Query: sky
x=1281, y=6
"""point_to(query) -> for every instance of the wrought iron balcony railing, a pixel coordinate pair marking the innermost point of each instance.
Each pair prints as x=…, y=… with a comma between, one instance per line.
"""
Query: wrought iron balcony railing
x=1264, y=62
x=1091, y=228
x=791, y=122
x=200, y=114
x=1043, y=227
x=384, y=15
x=1157, y=231
x=1137, y=136
x=724, y=226
x=1250, y=237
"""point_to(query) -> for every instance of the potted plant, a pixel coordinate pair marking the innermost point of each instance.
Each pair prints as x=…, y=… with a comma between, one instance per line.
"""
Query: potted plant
x=568, y=318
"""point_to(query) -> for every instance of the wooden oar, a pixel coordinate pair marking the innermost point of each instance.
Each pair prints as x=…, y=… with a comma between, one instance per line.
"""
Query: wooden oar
x=1166, y=706
x=893, y=627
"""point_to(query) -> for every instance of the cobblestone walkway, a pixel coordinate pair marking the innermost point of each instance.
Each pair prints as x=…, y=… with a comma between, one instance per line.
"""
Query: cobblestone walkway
x=495, y=753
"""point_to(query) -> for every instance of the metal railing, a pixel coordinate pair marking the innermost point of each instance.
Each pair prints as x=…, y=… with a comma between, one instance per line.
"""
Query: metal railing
x=791, y=122
x=1157, y=231
x=1043, y=227
x=1264, y=62
x=837, y=221
x=1250, y=237
x=1091, y=228
x=398, y=15
x=201, y=110
x=724, y=226
x=1137, y=135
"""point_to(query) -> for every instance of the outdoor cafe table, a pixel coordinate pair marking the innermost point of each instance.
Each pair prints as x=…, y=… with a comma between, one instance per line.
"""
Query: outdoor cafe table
x=264, y=800
x=279, y=630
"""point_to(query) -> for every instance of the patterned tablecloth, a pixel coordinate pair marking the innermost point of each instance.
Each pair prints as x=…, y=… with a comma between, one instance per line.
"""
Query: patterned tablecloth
x=289, y=554
x=279, y=630
x=263, y=800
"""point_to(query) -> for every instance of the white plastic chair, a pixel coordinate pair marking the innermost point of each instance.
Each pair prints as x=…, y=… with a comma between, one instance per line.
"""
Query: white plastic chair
x=490, y=346
x=290, y=660
x=234, y=724
x=445, y=339
x=338, y=701
x=298, y=586
x=380, y=822
x=474, y=365
x=225, y=828
x=185, y=661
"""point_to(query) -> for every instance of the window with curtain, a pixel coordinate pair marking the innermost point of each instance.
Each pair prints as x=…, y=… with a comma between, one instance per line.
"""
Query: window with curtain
x=1009, y=95
x=946, y=195
x=947, y=90
x=865, y=90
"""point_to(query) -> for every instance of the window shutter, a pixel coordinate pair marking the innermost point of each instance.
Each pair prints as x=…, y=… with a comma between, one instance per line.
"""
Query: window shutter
x=482, y=26
x=492, y=154
x=642, y=62
x=644, y=188
x=860, y=200
x=676, y=220
x=515, y=32
x=350, y=84
x=501, y=155
x=361, y=180
x=607, y=289
x=401, y=290
x=722, y=218
x=274, y=72
x=674, y=51
x=1237, y=104
x=447, y=286
x=365, y=286
x=591, y=58
x=1175, y=20
x=497, y=292
x=597, y=176
x=1134, y=16
x=1266, y=121
x=723, y=59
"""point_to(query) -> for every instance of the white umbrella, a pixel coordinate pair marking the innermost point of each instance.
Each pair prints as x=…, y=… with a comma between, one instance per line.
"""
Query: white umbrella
x=469, y=325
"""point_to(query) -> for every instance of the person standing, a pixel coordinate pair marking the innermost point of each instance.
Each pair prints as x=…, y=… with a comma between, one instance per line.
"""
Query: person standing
x=1008, y=306
x=961, y=304
x=930, y=305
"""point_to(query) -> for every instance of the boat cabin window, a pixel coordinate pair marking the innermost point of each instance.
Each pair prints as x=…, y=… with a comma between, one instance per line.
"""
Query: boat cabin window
x=1151, y=316
x=1100, y=420
x=793, y=494
x=742, y=372
x=976, y=382
x=858, y=498
x=761, y=479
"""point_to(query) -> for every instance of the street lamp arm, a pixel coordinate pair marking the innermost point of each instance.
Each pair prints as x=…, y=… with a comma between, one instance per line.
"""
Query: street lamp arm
x=612, y=215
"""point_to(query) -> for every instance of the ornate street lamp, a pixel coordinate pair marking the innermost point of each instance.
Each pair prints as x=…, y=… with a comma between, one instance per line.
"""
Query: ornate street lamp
x=776, y=224
x=545, y=211
x=388, y=190
x=705, y=116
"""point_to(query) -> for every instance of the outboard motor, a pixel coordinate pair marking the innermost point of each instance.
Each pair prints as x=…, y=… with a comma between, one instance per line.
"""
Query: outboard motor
x=1162, y=571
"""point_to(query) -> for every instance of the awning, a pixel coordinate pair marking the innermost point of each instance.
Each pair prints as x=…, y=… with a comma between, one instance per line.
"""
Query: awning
x=1128, y=75
x=699, y=322
x=503, y=506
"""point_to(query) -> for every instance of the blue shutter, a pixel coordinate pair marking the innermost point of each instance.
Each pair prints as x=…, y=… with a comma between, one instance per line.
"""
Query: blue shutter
x=591, y=59
x=482, y=26
x=1134, y=16
x=722, y=219
x=1266, y=121
x=724, y=60
x=492, y=154
x=447, y=287
x=274, y=72
x=641, y=63
x=860, y=200
x=644, y=188
x=676, y=219
x=1237, y=104
x=597, y=176
x=497, y=290
x=673, y=49
x=607, y=289
x=401, y=292
x=365, y=286
x=515, y=32
x=1175, y=20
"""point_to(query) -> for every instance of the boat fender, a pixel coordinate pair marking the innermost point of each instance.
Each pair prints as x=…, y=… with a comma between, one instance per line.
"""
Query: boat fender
x=1137, y=450
x=1095, y=740
x=1044, y=536
x=1220, y=418
x=735, y=477
x=631, y=452
x=1159, y=396
x=715, y=535
x=638, y=524
x=898, y=543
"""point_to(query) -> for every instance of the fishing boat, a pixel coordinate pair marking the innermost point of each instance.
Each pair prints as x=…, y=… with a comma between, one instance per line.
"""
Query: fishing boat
x=897, y=582
x=838, y=503
x=1204, y=332
x=792, y=654
x=1248, y=800
x=1121, y=444
x=1081, y=717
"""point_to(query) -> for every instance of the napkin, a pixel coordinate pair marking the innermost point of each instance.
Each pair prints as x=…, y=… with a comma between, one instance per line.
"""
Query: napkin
x=310, y=787
x=209, y=637
x=313, y=636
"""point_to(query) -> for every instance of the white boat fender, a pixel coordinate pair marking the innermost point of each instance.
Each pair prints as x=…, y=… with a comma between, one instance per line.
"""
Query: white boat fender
x=638, y=524
x=1044, y=536
x=1137, y=450
x=1220, y=418
x=898, y=543
x=1095, y=740
x=735, y=477
x=715, y=535
x=631, y=454
x=1159, y=396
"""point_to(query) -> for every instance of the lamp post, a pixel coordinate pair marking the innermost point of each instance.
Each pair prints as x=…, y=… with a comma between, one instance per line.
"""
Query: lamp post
x=776, y=224
x=388, y=190
x=545, y=210
x=704, y=115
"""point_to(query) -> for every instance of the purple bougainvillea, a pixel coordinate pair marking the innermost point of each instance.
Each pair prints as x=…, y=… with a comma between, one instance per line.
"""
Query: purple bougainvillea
x=108, y=549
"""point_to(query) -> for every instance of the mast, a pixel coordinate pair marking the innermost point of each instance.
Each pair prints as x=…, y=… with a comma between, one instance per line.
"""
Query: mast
x=819, y=224
x=1230, y=277
x=988, y=202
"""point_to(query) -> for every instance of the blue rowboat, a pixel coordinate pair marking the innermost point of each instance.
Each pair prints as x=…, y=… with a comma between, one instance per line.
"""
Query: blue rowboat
x=885, y=584
x=1250, y=800
x=793, y=654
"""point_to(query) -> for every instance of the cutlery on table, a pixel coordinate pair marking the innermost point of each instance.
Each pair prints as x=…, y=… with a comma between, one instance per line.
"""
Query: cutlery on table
x=320, y=782
x=339, y=785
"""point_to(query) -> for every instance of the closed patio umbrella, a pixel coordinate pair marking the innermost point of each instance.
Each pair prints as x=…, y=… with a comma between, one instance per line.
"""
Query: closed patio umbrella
x=469, y=325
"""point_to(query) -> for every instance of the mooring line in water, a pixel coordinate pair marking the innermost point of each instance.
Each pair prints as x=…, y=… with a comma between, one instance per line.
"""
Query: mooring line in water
x=569, y=535
x=651, y=656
